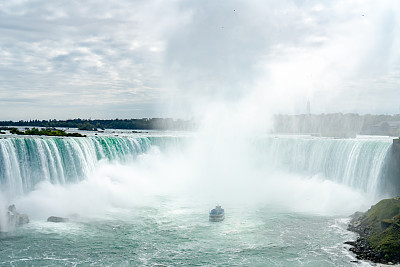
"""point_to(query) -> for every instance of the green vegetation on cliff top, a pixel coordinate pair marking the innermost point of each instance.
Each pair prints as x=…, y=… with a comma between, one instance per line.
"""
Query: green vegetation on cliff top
x=384, y=220
x=47, y=132
x=380, y=228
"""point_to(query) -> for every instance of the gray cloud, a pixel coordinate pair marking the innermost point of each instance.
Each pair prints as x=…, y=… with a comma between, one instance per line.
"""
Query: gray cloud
x=69, y=53
x=132, y=58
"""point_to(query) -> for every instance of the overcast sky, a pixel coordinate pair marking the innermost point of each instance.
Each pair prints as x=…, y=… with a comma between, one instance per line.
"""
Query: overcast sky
x=153, y=58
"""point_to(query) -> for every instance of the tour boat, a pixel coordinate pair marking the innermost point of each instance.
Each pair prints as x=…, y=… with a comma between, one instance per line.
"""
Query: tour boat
x=217, y=214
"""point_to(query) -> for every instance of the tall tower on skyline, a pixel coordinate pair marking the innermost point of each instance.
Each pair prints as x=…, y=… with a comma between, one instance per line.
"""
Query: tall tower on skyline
x=308, y=107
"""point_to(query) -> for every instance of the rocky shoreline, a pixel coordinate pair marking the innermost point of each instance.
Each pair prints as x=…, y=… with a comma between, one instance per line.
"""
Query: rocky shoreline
x=379, y=232
x=365, y=252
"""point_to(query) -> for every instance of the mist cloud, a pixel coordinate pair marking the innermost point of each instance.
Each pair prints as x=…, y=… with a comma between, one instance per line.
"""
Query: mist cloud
x=282, y=53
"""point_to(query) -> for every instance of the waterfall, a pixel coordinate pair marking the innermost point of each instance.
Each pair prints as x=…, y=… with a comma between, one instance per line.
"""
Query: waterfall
x=26, y=161
x=353, y=162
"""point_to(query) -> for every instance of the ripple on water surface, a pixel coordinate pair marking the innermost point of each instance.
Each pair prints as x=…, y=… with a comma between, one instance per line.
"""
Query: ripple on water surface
x=182, y=236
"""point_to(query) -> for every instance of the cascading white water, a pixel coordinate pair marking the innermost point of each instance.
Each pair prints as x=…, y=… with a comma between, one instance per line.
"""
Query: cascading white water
x=352, y=162
x=26, y=161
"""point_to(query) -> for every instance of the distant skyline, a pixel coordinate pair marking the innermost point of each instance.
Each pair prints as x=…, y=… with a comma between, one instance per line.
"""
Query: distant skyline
x=181, y=58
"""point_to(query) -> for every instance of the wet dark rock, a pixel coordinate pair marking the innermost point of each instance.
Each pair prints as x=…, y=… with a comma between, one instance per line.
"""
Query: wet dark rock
x=22, y=219
x=15, y=218
x=57, y=219
x=351, y=243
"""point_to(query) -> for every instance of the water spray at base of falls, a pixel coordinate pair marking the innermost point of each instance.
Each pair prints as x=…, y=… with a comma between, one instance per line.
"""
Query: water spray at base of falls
x=92, y=176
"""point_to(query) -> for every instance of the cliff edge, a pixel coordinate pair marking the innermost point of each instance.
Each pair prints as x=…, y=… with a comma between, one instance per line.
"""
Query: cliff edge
x=379, y=230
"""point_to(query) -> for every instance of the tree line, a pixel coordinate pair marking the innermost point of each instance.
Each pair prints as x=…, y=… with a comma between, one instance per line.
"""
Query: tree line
x=93, y=125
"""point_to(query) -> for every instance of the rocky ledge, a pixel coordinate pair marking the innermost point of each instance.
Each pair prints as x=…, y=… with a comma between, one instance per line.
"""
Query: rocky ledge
x=57, y=219
x=379, y=232
x=15, y=218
